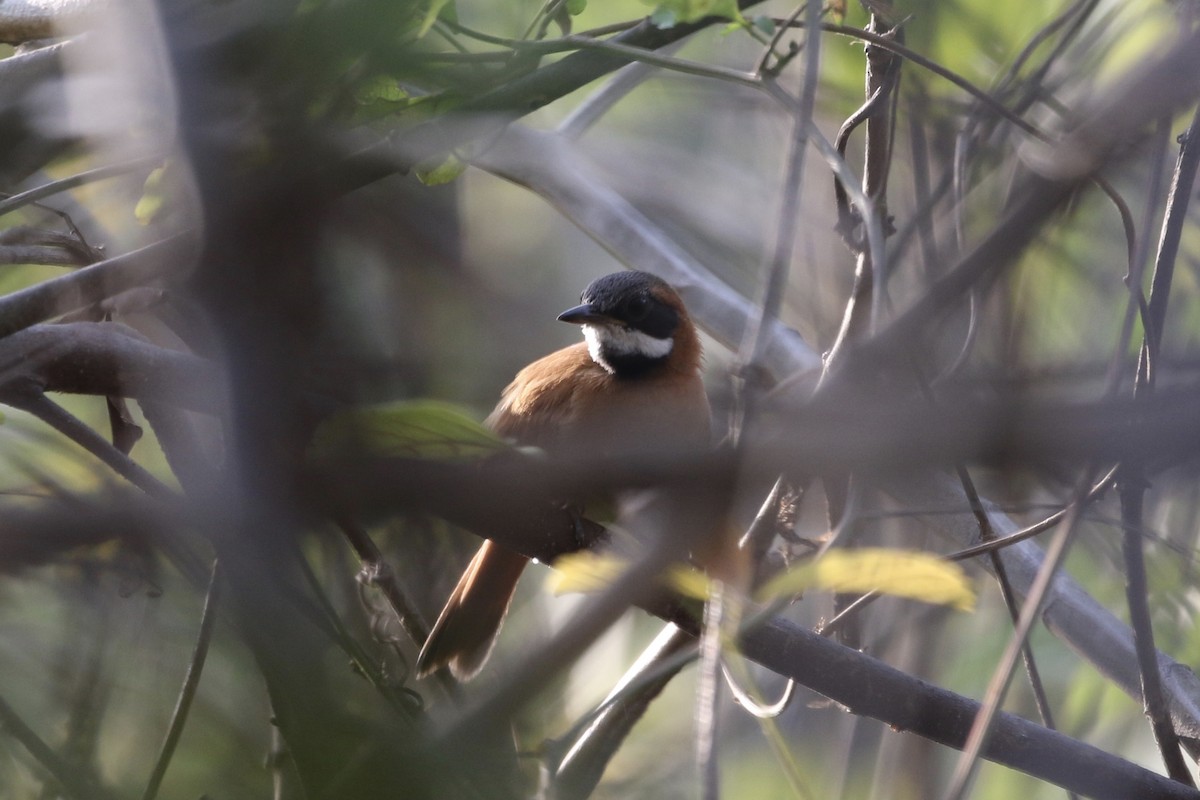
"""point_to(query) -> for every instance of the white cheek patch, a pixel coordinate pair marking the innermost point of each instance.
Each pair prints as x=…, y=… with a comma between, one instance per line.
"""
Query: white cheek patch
x=616, y=340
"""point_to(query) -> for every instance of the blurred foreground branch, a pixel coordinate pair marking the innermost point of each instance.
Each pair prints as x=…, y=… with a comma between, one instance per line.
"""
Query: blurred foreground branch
x=510, y=504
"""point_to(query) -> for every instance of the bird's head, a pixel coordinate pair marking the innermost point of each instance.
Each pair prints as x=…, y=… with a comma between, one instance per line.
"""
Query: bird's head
x=632, y=321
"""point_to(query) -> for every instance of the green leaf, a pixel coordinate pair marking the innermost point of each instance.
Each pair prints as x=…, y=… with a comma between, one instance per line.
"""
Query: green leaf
x=413, y=429
x=765, y=24
x=431, y=15
x=576, y=7
x=381, y=88
x=903, y=573
x=437, y=172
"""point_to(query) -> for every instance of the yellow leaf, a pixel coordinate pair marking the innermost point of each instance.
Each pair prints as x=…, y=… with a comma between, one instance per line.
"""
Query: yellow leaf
x=585, y=571
x=689, y=582
x=151, y=200
x=903, y=573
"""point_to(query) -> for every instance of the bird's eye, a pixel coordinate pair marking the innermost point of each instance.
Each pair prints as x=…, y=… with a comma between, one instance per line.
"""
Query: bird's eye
x=637, y=308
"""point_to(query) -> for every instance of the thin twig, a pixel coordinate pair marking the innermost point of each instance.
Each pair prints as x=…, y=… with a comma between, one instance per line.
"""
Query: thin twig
x=988, y=533
x=1148, y=93
x=391, y=688
x=1010, y=600
x=74, y=429
x=378, y=573
x=1135, y=277
x=70, y=182
x=633, y=53
x=994, y=545
x=708, y=689
x=623, y=81
x=1132, y=479
x=789, y=206
x=882, y=78
x=999, y=543
x=57, y=417
x=981, y=729
x=191, y=681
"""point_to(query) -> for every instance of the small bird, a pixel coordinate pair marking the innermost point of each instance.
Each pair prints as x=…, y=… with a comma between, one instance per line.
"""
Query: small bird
x=633, y=384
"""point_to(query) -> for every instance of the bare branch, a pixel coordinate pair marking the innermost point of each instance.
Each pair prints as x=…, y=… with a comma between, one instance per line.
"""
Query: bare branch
x=110, y=359
x=52, y=298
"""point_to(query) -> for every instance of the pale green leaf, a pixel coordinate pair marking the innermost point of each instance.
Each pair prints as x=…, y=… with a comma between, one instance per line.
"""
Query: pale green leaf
x=431, y=15
x=410, y=429
x=663, y=19
x=765, y=24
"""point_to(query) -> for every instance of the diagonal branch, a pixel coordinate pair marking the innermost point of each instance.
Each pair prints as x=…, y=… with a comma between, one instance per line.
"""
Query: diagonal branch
x=57, y=296
x=110, y=359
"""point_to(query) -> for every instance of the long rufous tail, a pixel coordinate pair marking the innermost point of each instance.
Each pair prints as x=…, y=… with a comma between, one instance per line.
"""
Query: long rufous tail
x=465, y=631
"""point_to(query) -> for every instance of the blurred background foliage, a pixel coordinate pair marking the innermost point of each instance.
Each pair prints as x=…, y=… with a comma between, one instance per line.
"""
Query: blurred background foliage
x=445, y=291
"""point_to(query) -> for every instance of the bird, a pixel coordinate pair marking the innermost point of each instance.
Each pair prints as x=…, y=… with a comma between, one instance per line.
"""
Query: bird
x=633, y=384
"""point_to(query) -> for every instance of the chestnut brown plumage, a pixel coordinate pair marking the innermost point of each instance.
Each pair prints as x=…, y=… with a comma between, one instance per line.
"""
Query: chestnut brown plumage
x=633, y=384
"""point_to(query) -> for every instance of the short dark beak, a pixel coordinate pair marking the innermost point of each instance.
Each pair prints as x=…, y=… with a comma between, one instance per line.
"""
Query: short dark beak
x=581, y=314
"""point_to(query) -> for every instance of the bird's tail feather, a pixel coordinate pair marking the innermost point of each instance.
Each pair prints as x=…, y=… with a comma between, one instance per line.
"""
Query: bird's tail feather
x=463, y=636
